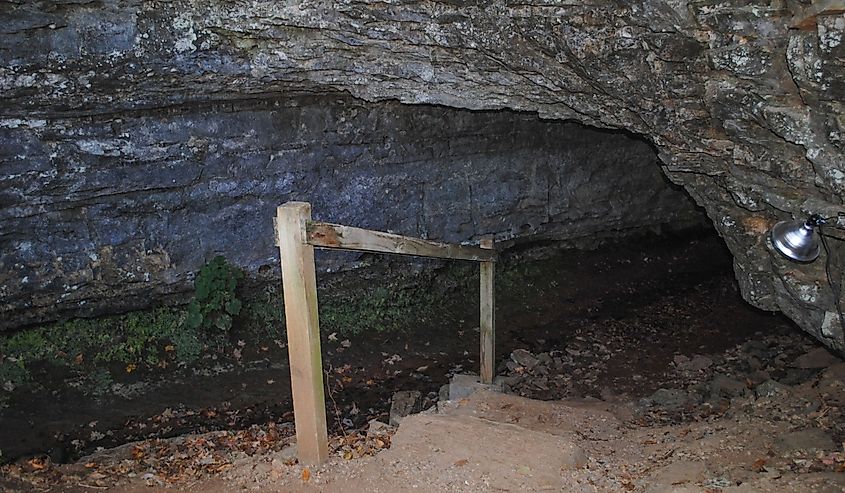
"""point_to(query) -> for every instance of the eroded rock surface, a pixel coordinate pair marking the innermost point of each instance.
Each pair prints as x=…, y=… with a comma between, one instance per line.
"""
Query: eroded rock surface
x=743, y=100
x=117, y=211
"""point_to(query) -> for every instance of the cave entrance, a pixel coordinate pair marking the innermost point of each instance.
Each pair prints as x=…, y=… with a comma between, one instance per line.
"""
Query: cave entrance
x=139, y=189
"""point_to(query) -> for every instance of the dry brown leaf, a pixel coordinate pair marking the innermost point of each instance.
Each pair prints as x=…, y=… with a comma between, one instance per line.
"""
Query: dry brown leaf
x=306, y=474
x=758, y=465
x=37, y=463
x=461, y=462
x=138, y=452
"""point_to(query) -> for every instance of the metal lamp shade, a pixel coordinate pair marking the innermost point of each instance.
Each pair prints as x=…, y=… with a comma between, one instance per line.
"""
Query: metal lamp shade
x=796, y=240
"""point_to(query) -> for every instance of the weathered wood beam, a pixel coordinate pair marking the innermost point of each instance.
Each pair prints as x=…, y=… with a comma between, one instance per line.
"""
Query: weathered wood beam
x=487, y=327
x=303, y=332
x=326, y=235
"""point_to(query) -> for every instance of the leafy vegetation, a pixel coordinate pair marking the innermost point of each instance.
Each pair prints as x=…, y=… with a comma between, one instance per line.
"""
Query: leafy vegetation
x=374, y=308
x=152, y=338
x=100, y=351
x=215, y=301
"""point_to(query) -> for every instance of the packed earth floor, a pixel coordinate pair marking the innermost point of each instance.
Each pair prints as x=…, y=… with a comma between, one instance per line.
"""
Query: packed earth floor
x=634, y=367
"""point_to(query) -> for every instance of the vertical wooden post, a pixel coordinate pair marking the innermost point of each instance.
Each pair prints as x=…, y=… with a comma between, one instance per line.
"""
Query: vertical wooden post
x=303, y=331
x=488, y=314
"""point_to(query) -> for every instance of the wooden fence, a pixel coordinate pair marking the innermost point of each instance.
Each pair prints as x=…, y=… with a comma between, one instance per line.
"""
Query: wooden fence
x=297, y=235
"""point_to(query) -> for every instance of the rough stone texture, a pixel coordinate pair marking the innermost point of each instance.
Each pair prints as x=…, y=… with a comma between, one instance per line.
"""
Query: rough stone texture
x=117, y=211
x=404, y=403
x=743, y=100
x=462, y=385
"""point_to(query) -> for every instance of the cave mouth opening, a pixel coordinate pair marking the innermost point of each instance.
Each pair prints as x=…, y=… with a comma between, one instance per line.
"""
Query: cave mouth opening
x=609, y=272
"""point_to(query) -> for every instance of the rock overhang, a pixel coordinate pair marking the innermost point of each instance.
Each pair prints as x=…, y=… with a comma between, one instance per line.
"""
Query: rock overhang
x=743, y=102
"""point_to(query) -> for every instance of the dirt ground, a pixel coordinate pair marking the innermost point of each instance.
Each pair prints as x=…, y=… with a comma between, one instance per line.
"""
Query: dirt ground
x=633, y=368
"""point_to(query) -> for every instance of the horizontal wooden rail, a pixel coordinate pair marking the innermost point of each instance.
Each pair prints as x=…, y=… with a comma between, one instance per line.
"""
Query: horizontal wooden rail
x=327, y=235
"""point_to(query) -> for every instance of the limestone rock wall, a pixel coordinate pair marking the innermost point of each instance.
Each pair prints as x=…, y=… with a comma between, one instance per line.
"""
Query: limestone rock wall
x=743, y=100
x=106, y=213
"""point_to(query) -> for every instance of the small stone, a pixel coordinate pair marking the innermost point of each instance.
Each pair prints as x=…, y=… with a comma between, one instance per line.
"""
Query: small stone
x=545, y=359
x=404, y=402
x=465, y=385
x=770, y=388
x=376, y=428
x=670, y=398
x=443, y=393
x=727, y=387
x=815, y=359
x=524, y=358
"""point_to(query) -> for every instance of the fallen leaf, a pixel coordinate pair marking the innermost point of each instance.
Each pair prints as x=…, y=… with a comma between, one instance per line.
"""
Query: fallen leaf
x=333, y=336
x=271, y=382
x=169, y=348
x=131, y=367
x=138, y=453
x=461, y=463
x=37, y=463
x=78, y=359
x=758, y=465
x=306, y=475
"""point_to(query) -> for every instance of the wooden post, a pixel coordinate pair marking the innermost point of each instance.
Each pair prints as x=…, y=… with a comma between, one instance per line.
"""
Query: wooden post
x=488, y=314
x=303, y=331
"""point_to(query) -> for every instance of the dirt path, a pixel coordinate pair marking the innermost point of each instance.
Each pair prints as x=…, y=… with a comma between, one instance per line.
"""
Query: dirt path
x=498, y=442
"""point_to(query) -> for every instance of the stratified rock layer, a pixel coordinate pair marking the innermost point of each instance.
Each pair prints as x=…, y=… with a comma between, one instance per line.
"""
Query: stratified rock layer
x=116, y=212
x=743, y=100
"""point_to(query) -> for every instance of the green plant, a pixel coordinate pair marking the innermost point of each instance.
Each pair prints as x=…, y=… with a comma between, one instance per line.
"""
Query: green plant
x=378, y=308
x=141, y=336
x=215, y=301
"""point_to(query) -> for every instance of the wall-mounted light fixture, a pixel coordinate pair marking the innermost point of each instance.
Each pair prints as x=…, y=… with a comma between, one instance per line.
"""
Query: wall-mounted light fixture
x=799, y=241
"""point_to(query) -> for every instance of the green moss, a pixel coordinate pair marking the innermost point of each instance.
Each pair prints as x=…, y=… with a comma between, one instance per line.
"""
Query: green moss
x=137, y=338
x=378, y=308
